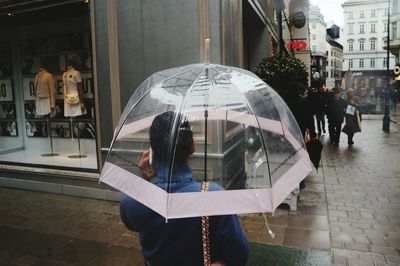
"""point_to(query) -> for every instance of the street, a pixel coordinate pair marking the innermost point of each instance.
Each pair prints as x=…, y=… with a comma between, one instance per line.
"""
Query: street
x=348, y=214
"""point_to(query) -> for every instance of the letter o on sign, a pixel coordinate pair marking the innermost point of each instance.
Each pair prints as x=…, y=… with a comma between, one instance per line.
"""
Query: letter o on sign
x=397, y=70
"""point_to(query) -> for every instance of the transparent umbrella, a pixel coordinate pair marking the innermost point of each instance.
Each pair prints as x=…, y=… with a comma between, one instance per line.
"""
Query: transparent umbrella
x=247, y=144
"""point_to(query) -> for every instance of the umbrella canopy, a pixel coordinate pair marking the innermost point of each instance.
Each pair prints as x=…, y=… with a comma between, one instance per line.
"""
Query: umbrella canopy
x=247, y=143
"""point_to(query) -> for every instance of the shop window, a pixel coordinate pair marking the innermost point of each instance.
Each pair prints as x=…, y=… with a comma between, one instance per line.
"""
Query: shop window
x=52, y=60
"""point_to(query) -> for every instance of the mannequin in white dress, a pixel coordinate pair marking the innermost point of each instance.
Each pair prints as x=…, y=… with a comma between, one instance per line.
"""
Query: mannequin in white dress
x=45, y=91
x=73, y=88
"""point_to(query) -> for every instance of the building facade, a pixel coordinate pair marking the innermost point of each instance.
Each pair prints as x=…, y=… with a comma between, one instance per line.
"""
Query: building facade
x=114, y=45
x=318, y=46
x=334, y=64
x=394, y=29
x=365, y=31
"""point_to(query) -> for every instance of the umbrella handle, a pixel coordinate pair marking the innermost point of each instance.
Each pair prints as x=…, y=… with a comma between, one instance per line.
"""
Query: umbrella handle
x=205, y=231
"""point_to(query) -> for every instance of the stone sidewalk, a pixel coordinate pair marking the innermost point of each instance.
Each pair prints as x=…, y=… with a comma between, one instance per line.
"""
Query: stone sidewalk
x=362, y=185
x=349, y=211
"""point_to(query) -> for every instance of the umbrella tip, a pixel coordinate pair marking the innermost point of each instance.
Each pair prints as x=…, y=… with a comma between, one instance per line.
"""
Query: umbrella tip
x=207, y=51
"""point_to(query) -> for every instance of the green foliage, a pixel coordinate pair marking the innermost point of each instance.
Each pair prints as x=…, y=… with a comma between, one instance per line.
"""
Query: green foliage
x=286, y=74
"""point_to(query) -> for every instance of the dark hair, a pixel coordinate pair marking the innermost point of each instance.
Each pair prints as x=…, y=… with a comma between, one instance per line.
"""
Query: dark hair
x=171, y=137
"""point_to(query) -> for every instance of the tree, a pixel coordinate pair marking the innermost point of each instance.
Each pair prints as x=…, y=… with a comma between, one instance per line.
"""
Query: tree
x=286, y=74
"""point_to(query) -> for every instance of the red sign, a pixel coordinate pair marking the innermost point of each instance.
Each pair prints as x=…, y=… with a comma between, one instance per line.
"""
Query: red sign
x=297, y=45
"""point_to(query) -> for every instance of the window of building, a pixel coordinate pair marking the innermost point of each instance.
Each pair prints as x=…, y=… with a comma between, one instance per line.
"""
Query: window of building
x=361, y=45
x=350, y=28
x=361, y=63
x=362, y=28
x=394, y=30
x=372, y=62
x=350, y=63
x=48, y=47
x=385, y=26
x=361, y=13
x=384, y=62
x=351, y=45
x=373, y=44
x=373, y=28
x=331, y=63
x=373, y=12
x=350, y=14
x=314, y=48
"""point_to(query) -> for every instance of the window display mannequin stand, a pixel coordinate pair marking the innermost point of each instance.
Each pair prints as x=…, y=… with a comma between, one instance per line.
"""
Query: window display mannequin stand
x=50, y=137
x=79, y=155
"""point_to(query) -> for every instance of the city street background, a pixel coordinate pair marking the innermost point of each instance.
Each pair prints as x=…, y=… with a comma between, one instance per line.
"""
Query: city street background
x=349, y=213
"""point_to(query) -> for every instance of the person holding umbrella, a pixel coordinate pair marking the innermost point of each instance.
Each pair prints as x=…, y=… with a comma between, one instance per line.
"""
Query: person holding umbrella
x=179, y=241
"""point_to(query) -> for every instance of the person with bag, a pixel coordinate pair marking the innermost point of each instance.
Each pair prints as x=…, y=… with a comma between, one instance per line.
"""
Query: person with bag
x=180, y=241
x=353, y=120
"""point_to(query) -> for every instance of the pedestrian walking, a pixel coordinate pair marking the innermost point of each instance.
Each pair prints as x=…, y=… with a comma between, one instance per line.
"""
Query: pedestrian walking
x=179, y=241
x=335, y=112
x=321, y=110
x=353, y=121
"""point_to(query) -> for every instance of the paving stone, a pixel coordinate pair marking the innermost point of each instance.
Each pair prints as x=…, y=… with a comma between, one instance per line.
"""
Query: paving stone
x=383, y=250
x=393, y=259
x=356, y=246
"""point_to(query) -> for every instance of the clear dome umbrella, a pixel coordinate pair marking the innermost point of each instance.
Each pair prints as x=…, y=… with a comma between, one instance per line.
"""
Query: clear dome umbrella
x=247, y=144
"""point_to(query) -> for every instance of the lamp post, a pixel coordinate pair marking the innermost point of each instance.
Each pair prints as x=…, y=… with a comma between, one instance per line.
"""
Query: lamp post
x=386, y=117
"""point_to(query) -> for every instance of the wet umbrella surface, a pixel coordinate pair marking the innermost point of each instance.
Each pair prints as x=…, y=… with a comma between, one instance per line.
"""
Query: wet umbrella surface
x=247, y=143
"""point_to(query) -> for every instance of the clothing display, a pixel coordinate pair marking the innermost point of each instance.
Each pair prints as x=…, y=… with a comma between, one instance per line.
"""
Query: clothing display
x=45, y=91
x=72, y=98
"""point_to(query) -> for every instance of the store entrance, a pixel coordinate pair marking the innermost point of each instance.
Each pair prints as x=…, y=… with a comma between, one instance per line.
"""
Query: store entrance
x=47, y=115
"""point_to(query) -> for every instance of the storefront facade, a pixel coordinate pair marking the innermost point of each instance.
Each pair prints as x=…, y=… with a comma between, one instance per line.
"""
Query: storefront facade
x=102, y=50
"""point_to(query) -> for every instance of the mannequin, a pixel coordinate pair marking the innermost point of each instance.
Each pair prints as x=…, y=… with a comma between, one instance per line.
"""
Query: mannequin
x=45, y=91
x=73, y=98
x=73, y=87
x=45, y=102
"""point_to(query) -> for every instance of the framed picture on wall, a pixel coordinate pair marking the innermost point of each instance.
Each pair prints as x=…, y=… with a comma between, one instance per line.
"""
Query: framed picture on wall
x=82, y=61
x=6, y=90
x=59, y=110
x=31, y=65
x=60, y=129
x=8, y=129
x=30, y=110
x=89, y=105
x=84, y=129
x=28, y=88
x=7, y=111
x=37, y=128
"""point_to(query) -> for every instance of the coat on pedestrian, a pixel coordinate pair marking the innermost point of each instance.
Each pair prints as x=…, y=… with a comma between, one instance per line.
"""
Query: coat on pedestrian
x=353, y=124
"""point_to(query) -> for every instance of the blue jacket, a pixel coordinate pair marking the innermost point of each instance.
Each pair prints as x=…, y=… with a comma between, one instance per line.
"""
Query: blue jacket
x=178, y=241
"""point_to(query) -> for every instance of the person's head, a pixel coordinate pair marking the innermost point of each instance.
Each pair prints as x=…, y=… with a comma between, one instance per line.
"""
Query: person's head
x=171, y=137
x=350, y=92
x=337, y=93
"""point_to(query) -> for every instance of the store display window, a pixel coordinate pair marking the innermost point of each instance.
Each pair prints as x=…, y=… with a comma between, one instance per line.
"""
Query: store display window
x=47, y=106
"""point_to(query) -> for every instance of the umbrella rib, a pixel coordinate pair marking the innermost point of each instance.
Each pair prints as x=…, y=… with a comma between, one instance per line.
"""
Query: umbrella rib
x=176, y=122
x=261, y=135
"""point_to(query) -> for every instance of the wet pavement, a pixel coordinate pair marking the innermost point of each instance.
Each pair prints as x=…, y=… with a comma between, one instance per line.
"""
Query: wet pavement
x=348, y=214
